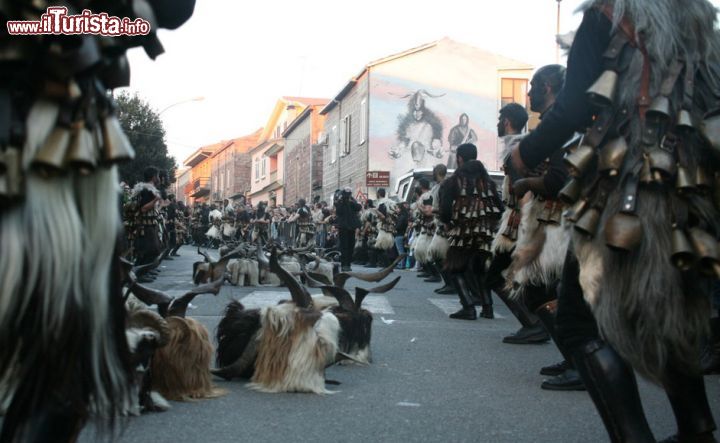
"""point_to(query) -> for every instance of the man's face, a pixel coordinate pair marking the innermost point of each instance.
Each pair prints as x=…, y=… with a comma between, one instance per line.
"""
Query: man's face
x=537, y=95
x=418, y=114
x=501, y=132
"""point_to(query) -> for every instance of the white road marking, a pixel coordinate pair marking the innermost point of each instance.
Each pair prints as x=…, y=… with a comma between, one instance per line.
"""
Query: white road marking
x=378, y=304
x=448, y=306
x=408, y=404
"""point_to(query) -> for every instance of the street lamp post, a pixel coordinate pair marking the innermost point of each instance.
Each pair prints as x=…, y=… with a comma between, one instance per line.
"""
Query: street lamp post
x=557, y=33
x=194, y=99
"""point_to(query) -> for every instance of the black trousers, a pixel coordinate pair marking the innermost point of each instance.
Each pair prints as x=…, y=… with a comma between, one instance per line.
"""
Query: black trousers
x=347, y=244
x=575, y=323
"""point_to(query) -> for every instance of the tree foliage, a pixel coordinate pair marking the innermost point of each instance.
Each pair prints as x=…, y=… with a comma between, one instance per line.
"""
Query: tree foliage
x=145, y=131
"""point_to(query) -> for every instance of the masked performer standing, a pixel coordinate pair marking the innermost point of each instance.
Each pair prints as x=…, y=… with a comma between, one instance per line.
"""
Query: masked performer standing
x=63, y=350
x=470, y=206
x=646, y=223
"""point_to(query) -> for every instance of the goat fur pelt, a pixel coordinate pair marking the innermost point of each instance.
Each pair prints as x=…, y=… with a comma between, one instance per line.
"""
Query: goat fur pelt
x=422, y=243
x=271, y=279
x=438, y=248
x=181, y=369
x=384, y=240
x=244, y=271
x=294, y=347
x=540, y=250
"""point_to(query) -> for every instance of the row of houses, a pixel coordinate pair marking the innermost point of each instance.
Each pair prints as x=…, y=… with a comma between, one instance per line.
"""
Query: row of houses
x=400, y=114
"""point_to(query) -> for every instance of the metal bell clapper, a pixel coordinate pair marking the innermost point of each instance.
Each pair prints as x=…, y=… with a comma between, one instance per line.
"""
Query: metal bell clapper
x=611, y=156
x=602, y=92
x=683, y=255
x=662, y=163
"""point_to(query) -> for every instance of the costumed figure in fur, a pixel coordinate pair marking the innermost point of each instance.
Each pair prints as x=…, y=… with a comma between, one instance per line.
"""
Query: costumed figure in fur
x=439, y=245
x=635, y=284
x=305, y=226
x=386, y=220
x=63, y=351
x=424, y=220
x=511, y=121
x=544, y=236
x=471, y=207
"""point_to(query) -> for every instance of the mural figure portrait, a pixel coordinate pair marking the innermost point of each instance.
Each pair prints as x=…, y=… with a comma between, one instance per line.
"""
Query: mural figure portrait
x=460, y=134
x=419, y=133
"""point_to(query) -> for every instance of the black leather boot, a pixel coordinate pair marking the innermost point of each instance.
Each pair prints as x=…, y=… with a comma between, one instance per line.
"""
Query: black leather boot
x=468, y=307
x=486, y=304
x=434, y=273
x=532, y=331
x=690, y=405
x=448, y=287
x=612, y=386
x=569, y=379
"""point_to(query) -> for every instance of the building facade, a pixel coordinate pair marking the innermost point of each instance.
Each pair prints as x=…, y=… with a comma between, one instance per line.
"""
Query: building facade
x=403, y=113
x=304, y=155
x=268, y=156
x=231, y=168
x=182, y=179
x=197, y=190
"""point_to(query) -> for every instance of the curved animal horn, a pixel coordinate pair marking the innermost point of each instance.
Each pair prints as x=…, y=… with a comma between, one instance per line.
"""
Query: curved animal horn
x=178, y=306
x=360, y=293
x=341, y=295
x=151, y=296
x=204, y=254
x=245, y=362
x=427, y=94
x=315, y=280
x=298, y=292
x=144, y=318
x=142, y=269
x=342, y=277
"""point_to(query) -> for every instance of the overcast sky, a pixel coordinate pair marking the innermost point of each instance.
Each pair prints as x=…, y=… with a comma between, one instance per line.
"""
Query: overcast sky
x=242, y=56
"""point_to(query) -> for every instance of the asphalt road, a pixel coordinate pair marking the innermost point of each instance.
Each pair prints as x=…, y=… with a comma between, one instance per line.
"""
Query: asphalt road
x=433, y=379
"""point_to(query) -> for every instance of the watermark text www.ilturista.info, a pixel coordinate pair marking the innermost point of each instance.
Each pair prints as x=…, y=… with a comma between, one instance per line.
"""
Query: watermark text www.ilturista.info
x=56, y=21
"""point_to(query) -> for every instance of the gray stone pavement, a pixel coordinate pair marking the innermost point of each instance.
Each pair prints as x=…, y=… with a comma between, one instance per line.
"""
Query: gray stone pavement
x=432, y=380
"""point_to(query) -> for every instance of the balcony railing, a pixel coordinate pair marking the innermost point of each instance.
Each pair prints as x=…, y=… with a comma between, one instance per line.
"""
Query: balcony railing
x=199, y=185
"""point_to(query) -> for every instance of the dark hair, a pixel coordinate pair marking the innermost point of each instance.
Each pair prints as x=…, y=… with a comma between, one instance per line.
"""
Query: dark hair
x=149, y=173
x=467, y=151
x=516, y=115
x=381, y=192
x=301, y=202
x=424, y=183
x=552, y=75
x=440, y=169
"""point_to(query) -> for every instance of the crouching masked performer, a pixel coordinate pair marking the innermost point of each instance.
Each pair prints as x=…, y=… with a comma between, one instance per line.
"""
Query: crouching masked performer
x=635, y=285
x=63, y=351
x=470, y=206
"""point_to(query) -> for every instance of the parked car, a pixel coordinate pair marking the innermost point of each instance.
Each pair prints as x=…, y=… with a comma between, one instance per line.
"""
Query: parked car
x=407, y=182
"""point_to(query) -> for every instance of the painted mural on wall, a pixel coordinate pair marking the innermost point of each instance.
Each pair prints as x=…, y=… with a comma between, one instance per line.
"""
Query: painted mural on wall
x=415, y=126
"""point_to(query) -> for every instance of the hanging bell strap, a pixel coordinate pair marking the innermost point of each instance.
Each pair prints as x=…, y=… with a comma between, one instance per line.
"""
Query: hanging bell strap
x=629, y=194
